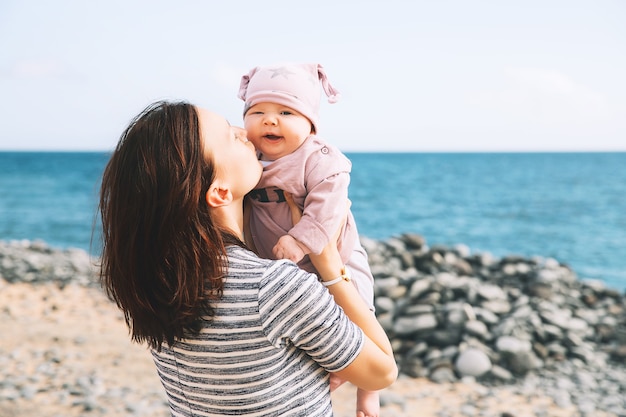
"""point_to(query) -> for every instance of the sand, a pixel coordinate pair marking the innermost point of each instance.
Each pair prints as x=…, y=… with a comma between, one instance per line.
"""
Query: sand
x=66, y=352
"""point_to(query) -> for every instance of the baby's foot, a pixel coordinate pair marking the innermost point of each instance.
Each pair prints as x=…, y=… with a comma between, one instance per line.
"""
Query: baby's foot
x=367, y=403
x=335, y=382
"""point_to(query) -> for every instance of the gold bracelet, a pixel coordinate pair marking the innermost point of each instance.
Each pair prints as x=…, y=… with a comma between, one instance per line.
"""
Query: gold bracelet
x=345, y=276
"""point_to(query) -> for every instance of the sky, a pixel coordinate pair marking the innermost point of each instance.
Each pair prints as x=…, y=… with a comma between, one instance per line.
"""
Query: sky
x=414, y=75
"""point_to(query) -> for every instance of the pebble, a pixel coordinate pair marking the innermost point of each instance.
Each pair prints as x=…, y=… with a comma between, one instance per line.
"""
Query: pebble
x=527, y=325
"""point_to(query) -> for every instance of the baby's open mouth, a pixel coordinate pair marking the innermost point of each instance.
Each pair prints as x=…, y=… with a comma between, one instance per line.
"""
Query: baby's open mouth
x=272, y=137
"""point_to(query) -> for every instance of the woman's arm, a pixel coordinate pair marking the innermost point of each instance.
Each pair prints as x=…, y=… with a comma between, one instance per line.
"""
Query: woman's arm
x=375, y=367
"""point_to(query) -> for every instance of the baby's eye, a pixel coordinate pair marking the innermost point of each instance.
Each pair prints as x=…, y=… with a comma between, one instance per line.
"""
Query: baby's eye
x=285, y=113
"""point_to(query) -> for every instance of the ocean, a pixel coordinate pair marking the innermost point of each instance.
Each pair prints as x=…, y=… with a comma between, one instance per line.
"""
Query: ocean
x=568, y=206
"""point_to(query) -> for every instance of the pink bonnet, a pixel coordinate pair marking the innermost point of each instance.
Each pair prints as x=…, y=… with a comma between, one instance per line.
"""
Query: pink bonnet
x=293, y=85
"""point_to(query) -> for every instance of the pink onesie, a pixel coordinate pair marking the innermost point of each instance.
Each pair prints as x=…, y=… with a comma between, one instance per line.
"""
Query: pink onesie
x=317, y=175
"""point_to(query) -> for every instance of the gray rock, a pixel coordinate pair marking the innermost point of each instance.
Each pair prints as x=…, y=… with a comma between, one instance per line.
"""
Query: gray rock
x=472, y=362
x=477, y=328
x=415, y=324
x=442, y=374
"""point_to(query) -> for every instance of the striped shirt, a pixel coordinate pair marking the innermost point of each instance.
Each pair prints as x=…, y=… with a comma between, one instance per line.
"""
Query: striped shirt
x=267, y=351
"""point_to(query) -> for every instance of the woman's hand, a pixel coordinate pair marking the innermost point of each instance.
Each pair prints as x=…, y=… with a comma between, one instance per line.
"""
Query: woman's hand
x=296, y=213
x=287, y=246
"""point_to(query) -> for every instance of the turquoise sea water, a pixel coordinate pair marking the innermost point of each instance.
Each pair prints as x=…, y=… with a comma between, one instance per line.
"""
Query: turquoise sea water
x=570, y=206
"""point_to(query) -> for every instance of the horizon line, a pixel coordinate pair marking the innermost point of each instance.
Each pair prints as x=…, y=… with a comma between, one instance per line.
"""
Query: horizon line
x=389, y=151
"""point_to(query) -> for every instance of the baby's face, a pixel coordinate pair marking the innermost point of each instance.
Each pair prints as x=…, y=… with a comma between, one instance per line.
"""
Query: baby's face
x=276, y=130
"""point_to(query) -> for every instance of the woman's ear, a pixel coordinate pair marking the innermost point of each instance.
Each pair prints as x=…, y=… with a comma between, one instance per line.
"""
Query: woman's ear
x=218, y=195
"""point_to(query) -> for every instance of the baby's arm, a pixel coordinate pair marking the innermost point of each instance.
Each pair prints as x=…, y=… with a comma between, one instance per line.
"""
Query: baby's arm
x=323, y=213
x=327, y=177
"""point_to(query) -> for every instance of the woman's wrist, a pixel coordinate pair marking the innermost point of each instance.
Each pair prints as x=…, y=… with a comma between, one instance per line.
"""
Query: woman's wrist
x=344, y=276
x=328, y=263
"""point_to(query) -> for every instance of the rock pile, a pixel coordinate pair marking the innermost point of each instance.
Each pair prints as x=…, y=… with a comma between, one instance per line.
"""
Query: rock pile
x=35, y=262
x=450, y=314
x=527, y=324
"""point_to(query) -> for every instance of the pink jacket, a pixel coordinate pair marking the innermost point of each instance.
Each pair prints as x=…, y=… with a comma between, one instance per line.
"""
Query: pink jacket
x=317, y=175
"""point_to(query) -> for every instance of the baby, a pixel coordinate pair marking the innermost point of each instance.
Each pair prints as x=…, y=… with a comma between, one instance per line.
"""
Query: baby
x=281, y=116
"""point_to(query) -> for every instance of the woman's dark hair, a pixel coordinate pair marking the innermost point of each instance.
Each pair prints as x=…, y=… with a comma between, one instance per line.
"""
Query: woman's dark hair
x=163, y=256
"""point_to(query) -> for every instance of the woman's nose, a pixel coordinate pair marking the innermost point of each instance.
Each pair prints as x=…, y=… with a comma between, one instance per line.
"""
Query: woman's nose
x=241, y=133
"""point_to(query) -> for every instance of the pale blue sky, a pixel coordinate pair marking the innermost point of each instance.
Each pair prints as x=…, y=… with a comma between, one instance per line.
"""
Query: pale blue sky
x=418, y=75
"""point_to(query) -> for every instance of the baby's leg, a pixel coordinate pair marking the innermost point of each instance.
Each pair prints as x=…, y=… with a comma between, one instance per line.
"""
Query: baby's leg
x=367, y=403
x=335, y=382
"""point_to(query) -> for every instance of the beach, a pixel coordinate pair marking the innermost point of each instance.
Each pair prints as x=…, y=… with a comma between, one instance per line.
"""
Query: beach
x=65, y=349
x=66, y=352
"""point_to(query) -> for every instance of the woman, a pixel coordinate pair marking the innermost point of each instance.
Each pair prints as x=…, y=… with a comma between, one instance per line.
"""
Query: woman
x=230, y=333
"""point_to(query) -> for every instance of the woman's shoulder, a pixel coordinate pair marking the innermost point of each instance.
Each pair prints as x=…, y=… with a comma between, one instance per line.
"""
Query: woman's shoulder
x=241, y=259
x=268, y=273
x=239, y=256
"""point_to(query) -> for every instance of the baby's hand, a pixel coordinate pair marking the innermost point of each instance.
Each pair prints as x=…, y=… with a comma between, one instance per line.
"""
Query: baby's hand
x=288, y=248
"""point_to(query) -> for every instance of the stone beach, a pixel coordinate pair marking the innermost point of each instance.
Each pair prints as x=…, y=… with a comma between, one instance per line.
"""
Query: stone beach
x=474, y=335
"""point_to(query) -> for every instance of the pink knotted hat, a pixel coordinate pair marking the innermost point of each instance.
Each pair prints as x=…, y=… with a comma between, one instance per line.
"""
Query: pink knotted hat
x=293, y=85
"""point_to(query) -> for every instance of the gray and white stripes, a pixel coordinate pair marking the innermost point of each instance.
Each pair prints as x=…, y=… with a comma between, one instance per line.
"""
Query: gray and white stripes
x=268, y=350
